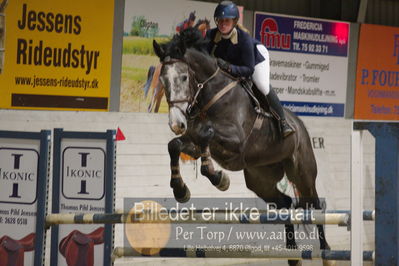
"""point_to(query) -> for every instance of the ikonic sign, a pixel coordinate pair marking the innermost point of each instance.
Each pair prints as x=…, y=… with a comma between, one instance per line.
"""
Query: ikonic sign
x=83, y=182
x=83, y=173
x=308, y=62
x=18, y=173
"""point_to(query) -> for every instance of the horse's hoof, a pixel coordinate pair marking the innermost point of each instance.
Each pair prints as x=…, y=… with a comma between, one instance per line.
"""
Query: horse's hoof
x=224, y=183
x=329, y=263
x=184, y=194
x=294, y=262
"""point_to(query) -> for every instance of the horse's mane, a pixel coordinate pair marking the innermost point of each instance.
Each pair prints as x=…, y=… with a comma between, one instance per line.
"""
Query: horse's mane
x=186, y=39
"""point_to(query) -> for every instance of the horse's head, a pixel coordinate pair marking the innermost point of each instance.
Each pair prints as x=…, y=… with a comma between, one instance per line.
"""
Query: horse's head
x=175, y=78
x=177, y=75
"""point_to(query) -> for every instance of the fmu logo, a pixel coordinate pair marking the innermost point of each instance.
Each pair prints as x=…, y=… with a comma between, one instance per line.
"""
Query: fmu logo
x=272, y=38
x=396, y=47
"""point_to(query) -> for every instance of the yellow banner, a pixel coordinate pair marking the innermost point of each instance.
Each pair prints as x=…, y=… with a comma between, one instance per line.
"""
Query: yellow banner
x=56, y=55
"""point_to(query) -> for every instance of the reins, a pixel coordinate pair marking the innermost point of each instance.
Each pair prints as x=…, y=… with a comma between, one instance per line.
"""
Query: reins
x=192, y=101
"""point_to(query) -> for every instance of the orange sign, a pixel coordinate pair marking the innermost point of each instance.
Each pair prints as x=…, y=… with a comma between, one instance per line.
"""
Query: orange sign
x=377, y=76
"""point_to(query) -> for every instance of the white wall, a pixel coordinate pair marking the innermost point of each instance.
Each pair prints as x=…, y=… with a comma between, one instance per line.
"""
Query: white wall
x=143, y=164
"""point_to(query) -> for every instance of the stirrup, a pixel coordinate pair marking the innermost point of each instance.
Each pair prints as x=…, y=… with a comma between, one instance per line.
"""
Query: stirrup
x=262, y=112
x=286, y=128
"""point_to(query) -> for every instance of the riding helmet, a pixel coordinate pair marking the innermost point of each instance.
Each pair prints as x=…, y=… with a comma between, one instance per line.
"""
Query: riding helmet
x=226, y=9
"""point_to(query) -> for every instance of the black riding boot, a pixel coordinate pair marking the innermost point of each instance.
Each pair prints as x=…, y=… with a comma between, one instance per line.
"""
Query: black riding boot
x=275, y=106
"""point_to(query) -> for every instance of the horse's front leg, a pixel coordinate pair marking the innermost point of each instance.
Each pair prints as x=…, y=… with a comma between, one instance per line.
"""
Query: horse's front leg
x=218, y=178
x=180, y=190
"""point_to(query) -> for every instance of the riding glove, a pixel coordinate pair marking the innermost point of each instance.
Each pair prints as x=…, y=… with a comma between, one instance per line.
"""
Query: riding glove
x=224, y=65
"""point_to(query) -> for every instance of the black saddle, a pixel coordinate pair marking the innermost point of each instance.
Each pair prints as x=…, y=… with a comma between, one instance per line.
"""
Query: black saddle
x=260, y=103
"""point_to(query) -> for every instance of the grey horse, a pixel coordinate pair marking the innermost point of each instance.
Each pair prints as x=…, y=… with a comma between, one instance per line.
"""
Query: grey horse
x=215, y=118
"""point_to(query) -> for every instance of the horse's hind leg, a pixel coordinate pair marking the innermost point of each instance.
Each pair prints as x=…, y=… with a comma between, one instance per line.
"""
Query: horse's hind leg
x=309, y=198
x=218, y=178
x=285, y=202
x=263, y=181
x=312, y=200
x=303, y=175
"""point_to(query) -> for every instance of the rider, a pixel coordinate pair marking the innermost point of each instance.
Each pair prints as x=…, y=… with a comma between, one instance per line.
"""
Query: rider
x=242, y=56
x=187, y=23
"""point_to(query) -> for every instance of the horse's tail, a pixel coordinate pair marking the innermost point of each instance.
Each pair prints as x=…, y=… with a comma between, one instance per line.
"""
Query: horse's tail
x=146, y=86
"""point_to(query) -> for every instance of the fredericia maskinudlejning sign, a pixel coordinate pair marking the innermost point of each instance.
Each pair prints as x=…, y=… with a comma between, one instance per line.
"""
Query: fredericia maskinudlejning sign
x=308, y=61
x=83, y=173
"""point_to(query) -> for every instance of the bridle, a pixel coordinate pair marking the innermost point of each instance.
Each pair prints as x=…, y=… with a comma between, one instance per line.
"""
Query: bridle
x=191, y=101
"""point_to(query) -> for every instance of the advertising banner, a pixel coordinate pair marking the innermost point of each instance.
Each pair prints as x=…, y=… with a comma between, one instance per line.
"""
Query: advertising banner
x=377, y=76
x=146, y=20
x=308, y=62
x=56, y=54
x=83, y=182
x=23, y=196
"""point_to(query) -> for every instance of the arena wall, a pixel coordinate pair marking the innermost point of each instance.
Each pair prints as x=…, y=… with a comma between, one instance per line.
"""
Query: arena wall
x=143, y=164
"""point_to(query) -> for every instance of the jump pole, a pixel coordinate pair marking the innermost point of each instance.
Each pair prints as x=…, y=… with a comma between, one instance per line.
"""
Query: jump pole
x=304, y=217
x=272, y=254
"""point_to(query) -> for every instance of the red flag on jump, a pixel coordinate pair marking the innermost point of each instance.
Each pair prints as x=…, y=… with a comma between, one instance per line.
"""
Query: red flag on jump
x=119, y=135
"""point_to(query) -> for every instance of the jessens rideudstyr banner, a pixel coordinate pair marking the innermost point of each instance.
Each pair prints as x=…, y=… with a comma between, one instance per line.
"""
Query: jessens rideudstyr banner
x=57, y=55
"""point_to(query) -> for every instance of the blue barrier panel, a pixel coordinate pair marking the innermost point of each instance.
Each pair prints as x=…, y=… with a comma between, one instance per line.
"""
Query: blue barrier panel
x=386, y=190
x=83, y=181
x=23, y=194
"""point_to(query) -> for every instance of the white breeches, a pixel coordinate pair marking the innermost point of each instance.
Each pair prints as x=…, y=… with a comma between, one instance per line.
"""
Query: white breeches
x=261, y=75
